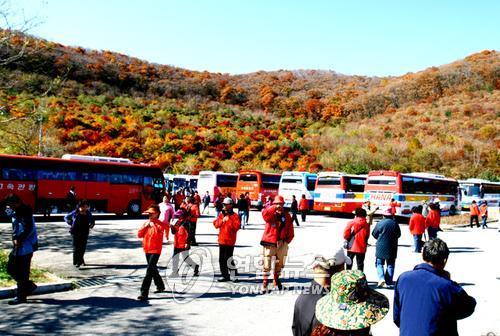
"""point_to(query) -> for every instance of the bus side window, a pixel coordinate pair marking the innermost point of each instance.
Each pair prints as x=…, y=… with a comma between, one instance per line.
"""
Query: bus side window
x=148, y=180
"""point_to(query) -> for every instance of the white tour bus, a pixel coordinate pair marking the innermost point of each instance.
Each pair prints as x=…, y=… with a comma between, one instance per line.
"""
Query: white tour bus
x=411, y=189
x=479, y=190
x=216, y=183
x=337, y=192
x=298, y=184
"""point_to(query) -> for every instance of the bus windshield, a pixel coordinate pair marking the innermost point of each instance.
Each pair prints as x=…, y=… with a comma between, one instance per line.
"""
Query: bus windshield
x=248, y=177
x=471, y=190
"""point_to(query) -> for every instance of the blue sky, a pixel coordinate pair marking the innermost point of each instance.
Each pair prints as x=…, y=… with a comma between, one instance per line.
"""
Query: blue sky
x=351, y=37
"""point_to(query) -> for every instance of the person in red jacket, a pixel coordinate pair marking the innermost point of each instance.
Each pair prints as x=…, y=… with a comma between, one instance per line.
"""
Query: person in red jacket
x=433, y=220
x=474, y=213
x=278, y=233
x=193, y=214
x=358, y=231
x=303, y=207
x=483, y=212
x=152, y=232
x=228, y=224
x=181, y=243
x=417, y=227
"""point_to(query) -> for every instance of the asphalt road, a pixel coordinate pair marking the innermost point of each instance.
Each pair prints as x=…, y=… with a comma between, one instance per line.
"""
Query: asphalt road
x=116, y=263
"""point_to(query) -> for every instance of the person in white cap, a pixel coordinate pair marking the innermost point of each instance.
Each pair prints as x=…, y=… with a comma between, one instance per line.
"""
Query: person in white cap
x=228, y=223
x=304, y=319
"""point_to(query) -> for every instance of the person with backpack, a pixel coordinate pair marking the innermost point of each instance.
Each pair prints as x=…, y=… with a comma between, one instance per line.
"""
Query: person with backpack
x=356, y=235
x=81, y=222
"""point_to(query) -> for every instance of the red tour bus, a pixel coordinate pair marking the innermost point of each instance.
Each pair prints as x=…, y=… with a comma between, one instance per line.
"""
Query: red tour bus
x=43, y=183
x=259, y=185
x=338, y=192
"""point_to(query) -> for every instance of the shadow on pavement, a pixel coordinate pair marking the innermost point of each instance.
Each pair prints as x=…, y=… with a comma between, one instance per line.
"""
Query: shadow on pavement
x=86, y=316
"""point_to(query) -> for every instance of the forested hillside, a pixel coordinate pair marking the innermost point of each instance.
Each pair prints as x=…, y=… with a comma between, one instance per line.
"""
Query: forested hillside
x=443, y=119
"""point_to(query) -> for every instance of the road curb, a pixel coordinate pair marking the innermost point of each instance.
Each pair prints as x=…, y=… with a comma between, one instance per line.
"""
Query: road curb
x=47, y=288
x=451, y=226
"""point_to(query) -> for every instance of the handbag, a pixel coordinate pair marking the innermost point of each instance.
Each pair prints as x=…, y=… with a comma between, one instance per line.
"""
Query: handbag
x=349, y=242
x=11, y=264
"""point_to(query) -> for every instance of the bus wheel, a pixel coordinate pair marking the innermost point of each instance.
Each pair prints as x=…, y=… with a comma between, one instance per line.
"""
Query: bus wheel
x=134, y=209
x=453, y=210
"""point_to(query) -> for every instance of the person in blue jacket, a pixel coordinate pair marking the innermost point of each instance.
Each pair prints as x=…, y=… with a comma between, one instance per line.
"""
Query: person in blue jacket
x=81, y=221
x=25, y=241
x=426, y=300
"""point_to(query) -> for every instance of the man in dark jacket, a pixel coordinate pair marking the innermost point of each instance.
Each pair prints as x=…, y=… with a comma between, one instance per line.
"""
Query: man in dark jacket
x=294, y=209
x=304, y=318
x=426, y=300
x=387, y=233
x=81, y=222
x=25, y=241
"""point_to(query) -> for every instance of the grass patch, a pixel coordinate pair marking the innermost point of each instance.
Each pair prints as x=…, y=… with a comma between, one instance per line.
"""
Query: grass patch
x=37, y=275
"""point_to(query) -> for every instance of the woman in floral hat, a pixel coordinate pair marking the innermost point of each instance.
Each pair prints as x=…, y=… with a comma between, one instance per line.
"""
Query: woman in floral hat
x=351, y=307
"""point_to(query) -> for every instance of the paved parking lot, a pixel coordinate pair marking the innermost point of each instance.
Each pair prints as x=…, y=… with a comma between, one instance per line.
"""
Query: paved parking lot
x=115, y=260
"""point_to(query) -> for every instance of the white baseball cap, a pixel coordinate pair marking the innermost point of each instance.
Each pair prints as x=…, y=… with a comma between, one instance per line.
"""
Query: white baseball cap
x=338, y=259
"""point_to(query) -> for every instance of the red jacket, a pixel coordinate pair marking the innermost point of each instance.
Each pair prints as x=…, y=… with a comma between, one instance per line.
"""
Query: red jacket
x=417, y=224
x=433, y=219
x=275, y=230
x=193, y=211
x=180, y=237
x=393, y=206
x=303, y=204
x=474, y=210
x=483, y=210
x=228, y=227
x=361, y=228
x=152, y=233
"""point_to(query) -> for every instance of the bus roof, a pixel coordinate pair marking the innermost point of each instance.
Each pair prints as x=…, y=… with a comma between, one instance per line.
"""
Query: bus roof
x=334, y=173
x=477, y=181
x=393, y=173
x=45, y=162
x=296, y=173
x=250, y=171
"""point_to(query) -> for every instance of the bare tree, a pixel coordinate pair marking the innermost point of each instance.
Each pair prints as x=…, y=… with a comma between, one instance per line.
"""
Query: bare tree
x=13, y=24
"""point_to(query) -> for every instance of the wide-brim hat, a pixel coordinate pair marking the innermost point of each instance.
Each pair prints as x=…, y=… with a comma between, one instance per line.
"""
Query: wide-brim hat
x=351, y=304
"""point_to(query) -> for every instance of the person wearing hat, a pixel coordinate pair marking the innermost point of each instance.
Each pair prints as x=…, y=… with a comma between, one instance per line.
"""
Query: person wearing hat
x=387, y=233
x=278, y=233
x=426, y=300
x=181, y=243
x=152, y=232
x=433, y=221
x=356, y=235
x=304, y=318
x=351, y=307
x=228, y=224
x=25, y=242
